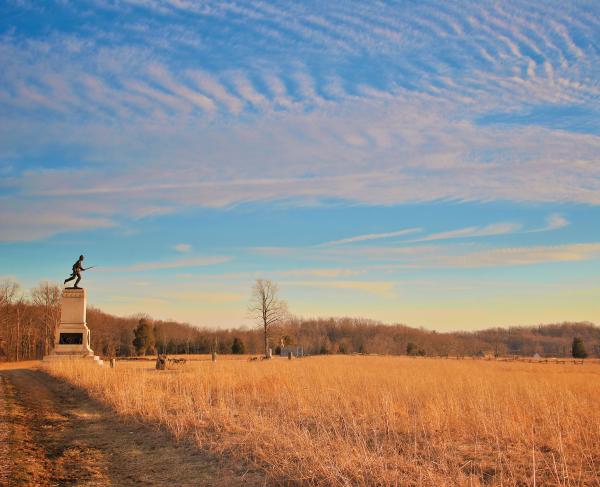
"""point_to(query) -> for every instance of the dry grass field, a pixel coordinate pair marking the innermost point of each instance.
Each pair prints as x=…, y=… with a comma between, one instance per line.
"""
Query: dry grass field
x=339, y=420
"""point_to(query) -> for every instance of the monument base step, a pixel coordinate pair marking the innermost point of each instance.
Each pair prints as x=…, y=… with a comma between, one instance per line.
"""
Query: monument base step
x=53, y=357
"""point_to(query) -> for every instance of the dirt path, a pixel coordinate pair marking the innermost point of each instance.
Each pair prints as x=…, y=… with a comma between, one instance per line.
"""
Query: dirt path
x=52, y=434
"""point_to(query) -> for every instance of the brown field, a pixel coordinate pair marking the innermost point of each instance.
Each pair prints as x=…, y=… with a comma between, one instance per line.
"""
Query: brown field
x=339, y=420
x=200, y=357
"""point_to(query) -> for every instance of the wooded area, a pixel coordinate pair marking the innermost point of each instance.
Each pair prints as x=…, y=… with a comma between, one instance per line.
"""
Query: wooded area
x=28, y=322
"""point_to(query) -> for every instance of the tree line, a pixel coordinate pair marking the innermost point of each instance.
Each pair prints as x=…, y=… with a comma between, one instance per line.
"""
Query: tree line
x=28, y=322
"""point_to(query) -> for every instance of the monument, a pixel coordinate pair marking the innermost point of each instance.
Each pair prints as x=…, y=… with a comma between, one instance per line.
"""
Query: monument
x=72, y=338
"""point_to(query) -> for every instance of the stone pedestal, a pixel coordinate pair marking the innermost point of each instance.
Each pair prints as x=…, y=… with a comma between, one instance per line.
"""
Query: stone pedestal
x=72, y=339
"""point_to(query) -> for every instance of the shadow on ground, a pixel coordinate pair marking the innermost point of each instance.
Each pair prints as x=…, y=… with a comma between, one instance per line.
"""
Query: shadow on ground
x=57, y=435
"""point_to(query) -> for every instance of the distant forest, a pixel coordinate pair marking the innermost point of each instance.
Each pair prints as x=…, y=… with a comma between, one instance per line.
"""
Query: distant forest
x=27, y=326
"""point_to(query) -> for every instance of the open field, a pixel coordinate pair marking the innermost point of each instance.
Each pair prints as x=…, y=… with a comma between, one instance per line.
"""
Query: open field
x=372, y=420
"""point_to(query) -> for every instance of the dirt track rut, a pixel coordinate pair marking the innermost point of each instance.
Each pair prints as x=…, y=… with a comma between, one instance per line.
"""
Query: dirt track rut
x=52, y=434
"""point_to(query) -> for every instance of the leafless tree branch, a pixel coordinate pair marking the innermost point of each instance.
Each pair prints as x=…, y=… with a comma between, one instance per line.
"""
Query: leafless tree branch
x=266, y=307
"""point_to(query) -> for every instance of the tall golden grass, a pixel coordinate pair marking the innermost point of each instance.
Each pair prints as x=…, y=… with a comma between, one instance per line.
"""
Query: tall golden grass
x=373, y=420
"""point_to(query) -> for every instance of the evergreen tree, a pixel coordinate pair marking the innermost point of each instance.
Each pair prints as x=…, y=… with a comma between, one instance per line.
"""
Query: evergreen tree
x=578, y=350
x=144, y=337
x=238, y=347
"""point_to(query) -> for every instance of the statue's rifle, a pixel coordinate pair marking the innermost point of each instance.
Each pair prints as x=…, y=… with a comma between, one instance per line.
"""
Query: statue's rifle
x=88, y=268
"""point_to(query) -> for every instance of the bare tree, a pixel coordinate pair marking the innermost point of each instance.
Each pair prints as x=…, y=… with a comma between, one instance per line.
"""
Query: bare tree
x=47, y=297
x=19, y=306
x=8, y=291
x=8, y=296
x=266, y=308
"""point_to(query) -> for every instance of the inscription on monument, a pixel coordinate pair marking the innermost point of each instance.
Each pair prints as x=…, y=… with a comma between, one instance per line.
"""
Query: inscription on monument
x=70, y=339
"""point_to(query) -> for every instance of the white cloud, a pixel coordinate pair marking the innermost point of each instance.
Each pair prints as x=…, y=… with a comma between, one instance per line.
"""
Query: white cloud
x=182, y=247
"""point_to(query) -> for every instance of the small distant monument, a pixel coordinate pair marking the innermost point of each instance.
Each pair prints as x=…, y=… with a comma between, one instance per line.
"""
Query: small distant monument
x=72, y=339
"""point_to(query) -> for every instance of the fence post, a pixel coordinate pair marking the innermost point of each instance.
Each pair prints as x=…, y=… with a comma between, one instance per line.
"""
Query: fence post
x=214, y=356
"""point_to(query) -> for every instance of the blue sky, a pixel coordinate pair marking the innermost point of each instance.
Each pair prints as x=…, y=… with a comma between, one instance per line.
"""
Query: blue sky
x=432, y=163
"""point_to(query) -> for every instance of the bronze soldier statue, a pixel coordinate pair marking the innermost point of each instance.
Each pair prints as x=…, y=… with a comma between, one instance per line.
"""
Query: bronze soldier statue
x=77, y=270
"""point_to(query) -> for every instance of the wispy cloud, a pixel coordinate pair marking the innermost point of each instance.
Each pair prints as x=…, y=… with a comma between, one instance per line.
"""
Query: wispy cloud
x=370, y=236
x=469, y=232
x=173, y=106
x=186, y=109
x=556, y=221
x=320, y=272
x=37, y=221
x=170, y=264
x=553, y=222
x=381, y=288
x=460, y=256
x=513, y=59
x=161, y=75
x=182, y=247
x=198, y=295
x=211, y=86
x=375, y=260
x=516, y=256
